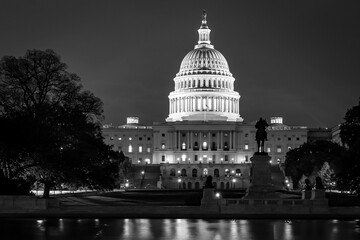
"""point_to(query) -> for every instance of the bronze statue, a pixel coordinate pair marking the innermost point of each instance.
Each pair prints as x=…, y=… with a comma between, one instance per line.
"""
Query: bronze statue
x=261, y=134
x=204, y=15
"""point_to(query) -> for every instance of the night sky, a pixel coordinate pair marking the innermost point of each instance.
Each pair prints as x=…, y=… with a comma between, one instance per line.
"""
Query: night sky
x=295, y=59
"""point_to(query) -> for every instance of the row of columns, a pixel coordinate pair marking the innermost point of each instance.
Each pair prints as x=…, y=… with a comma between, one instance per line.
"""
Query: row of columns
x=191, y=139
x=193, y=104
x=198, y=83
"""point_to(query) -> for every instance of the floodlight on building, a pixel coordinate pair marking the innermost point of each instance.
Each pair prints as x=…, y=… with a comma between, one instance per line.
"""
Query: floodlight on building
x=232, y=171
x=179, y=171
x=234, y=180
x=179, y=180
x=217, y=195
x=142, y=172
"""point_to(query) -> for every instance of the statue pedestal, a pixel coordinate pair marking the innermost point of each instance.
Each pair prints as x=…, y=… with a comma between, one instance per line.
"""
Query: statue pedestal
x=209, y=202
x=261, y=186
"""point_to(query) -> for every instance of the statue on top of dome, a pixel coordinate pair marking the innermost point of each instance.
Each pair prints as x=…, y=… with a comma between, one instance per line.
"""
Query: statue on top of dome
x=204, y=15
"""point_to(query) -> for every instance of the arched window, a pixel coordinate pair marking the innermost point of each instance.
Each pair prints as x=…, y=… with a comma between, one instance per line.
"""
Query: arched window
x=216, y=173
x=172, y=172
x=183, y=172
x=130, y=149
x=194, y=172
x=196, y=146
x=238, y=172
x=189, y=185
x=227, y=172
x=204, y=146
x=213, y=146
x=205, y=171
x=183, y=146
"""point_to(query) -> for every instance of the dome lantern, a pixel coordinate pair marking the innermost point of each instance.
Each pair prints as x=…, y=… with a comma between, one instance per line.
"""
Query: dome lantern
x=204, y=32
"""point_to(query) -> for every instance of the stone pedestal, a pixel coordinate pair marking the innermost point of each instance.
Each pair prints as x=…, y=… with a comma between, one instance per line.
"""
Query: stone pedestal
x=209, y=202
x=261, y=186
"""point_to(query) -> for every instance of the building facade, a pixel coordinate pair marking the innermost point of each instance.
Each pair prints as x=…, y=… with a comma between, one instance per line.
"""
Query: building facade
x=204, y=133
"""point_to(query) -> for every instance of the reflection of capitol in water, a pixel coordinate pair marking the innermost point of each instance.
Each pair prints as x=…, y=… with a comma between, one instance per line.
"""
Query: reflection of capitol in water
x=177, y=229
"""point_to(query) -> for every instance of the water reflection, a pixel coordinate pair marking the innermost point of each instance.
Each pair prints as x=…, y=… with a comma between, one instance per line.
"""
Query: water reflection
x=176, y=229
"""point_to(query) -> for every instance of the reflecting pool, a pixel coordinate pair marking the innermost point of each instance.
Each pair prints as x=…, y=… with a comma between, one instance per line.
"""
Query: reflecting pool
x=176, y=229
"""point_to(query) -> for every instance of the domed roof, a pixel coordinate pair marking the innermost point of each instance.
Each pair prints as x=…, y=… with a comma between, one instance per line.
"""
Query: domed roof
x=204, y=59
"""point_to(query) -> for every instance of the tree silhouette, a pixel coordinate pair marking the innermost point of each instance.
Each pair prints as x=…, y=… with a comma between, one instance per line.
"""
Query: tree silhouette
x=50, y=126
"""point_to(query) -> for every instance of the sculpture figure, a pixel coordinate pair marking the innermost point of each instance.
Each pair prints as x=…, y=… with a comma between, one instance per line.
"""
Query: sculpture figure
x=261, y=134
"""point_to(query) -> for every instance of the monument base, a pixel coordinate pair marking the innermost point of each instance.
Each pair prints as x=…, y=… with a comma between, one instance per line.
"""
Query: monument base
x=261, y=186
x=209, y=202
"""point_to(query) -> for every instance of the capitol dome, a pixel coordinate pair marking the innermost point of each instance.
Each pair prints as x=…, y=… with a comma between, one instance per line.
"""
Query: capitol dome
x=204, y=85
x=204, y=60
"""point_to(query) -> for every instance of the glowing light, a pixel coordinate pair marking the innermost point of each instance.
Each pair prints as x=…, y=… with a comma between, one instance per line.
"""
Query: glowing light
x=142, y=172
x=179, y=180
x=217, y=195
x=234, y=180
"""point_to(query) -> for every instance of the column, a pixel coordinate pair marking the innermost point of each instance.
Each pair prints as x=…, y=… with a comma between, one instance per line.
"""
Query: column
x=191, y=140
x=178, y=140
x=218, y=139
x=230, y=140
x=221, y=140
x=188, y=140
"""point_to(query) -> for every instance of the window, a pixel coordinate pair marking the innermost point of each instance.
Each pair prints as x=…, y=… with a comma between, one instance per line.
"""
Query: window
x=130, y=138
x=226, y=158
x=163, y=146
x=213, y=146
x=279, y=139
x=289, y=148
x=140, y=149
x=140, y=138
x=289, y=139
x=238, y=172
x=204, y=146
x=268, y=149
x=163, y=158
x=148, y=139
x=183, y=172
x=119, y=138
x=111, y=138
x=163, y=134
x=216, y=173
x=278, y=149
x=184, y=135
x=214, y=135
x=172, y=172
x=227, y=172
x=130, y=148
x=246, y=135
x=148, y=149
x=183, y=146
x=226, y=146
x=194, y=173
x=195, y=157
x=213, y=158
x=205, y=171
x=246, y=146
x=297, y=139
x=246, y=158
x=196, y=146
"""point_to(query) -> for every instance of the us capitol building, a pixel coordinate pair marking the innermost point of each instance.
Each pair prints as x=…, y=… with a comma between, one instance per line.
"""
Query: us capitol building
x=204, y=133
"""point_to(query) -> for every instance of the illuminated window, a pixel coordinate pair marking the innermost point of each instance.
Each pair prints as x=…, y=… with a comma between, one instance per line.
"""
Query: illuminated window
x=130, y=148
x=246, y=146
x=278, y=149
x=268, y=149
x=183, y=157
x=227, y=172
x=148, y=149
x=205, y=171
x=194, y=172
x=204, y=145
x=119, y=138
x=163, y=158
x=238, y=172
x=183, y=146
x=163, y=146
x=140, y=149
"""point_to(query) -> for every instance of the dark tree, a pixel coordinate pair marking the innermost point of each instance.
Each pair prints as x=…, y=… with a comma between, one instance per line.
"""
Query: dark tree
x=310, y=157
x=350, y=129
x=50, y=126
x=349, y=177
